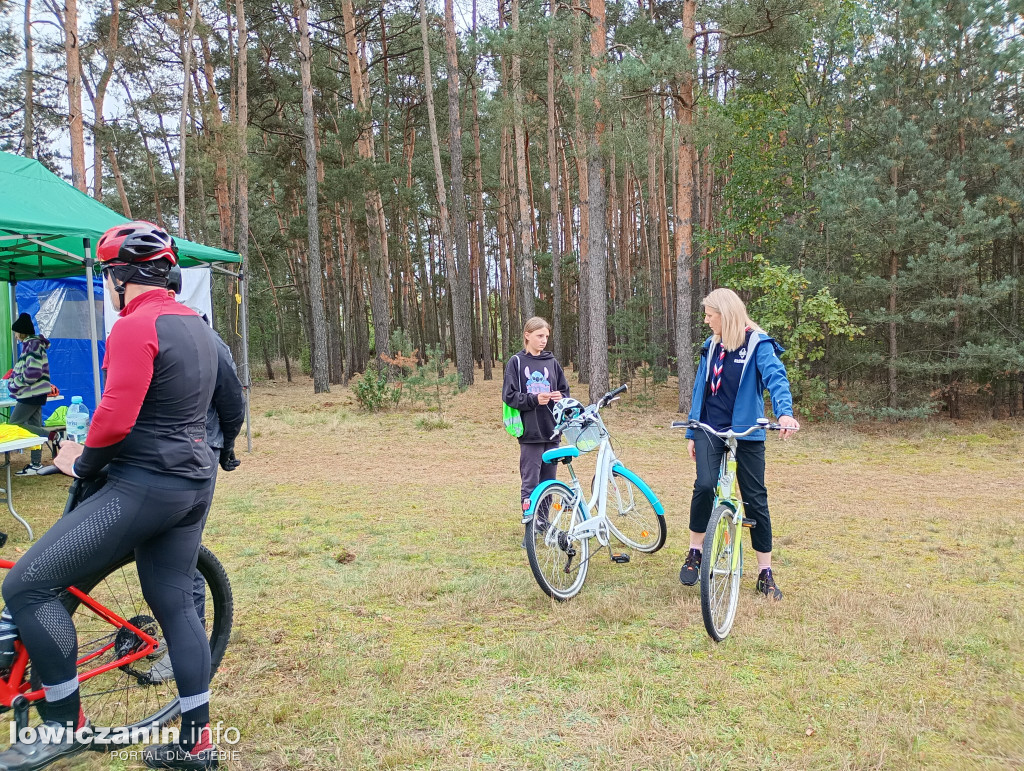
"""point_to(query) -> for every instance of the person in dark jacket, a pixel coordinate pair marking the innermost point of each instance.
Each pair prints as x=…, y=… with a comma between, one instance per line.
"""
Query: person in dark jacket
x=223, y=422
x=29, y=385
x=737, y=363
x=534, y=381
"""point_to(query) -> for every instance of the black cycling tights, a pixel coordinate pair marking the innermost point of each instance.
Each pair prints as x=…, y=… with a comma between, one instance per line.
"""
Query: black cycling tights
x=148, y=513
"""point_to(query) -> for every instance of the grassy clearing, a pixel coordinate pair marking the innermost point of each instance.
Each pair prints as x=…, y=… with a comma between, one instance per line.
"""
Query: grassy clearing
x=386, y=616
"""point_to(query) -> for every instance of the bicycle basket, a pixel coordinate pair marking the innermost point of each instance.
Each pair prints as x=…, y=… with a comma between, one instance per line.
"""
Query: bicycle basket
x=586, y=438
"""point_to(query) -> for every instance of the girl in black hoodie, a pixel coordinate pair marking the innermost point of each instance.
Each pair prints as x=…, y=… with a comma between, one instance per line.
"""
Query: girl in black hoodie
x=534, y=381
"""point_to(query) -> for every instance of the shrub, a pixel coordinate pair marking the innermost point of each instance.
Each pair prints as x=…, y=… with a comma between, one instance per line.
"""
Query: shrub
x=373, y=392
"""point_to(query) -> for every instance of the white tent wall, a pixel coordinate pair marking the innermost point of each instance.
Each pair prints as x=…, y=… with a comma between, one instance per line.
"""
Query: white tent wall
x=195, y=293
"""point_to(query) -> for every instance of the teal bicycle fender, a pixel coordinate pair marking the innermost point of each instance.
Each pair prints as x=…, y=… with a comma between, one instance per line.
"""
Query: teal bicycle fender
x=623, y=471
x=539, y=489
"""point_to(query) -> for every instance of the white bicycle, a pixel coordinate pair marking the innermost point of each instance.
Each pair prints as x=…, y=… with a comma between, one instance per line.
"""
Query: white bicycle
x=561, y=521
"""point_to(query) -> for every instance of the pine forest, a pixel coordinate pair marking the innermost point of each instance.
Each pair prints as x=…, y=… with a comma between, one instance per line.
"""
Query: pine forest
x=407, y=179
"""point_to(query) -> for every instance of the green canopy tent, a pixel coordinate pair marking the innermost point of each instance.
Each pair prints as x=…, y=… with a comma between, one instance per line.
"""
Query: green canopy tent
x=48, y=229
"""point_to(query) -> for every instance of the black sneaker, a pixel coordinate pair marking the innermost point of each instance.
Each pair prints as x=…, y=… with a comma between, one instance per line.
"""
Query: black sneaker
x=30, y=470
x=52, y=742
x=690, y=571
x=766, y=585
x=172, y=755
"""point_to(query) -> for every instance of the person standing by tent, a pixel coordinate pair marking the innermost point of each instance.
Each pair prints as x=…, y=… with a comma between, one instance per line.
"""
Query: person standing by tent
x=29, y=385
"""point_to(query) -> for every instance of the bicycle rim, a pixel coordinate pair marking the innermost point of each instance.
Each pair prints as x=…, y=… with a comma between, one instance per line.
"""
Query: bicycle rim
x=558, y=562
x=719, y=580
x=631, y=516
x=124, y=697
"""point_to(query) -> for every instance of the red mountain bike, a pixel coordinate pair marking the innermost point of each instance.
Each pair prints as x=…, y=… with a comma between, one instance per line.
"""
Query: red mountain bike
x=123, y=666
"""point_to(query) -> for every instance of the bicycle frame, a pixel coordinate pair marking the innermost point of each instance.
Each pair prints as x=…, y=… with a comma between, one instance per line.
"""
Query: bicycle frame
x=728, y=493
x=15, y=686
x=597, y=525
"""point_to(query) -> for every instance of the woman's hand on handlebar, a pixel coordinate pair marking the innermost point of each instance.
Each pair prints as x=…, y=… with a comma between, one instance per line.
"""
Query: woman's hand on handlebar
x=65, y=460
x=789, y=425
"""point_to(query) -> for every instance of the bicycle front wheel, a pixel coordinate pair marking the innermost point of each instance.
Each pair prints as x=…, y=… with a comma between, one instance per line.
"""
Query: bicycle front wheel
x=720, y=571
x=558, y=561
x=142, y=693
x=632, y=517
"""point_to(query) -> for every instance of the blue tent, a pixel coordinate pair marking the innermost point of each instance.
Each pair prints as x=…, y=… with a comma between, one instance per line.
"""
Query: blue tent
x=59, y=309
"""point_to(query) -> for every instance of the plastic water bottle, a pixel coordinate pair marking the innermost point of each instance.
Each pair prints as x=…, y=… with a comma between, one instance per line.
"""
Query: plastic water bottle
x=77, y=420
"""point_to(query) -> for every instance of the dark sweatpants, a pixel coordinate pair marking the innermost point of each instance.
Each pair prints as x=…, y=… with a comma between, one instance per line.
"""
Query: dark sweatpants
x=749, y=474
x=30, y=417
x=532, y=469
x=163, y=525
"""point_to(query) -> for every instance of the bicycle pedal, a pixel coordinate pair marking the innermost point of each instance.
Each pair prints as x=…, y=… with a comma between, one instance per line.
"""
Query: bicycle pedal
x=621, y=559
x=749, y=523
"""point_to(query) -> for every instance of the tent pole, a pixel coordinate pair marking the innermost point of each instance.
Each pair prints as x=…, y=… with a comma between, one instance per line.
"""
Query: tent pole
x=244, y=281
x=91, y=302
x=12, y=301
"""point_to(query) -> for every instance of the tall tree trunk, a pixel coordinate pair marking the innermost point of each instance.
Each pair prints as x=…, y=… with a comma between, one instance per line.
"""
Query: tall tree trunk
x=75, y=118
x=115, y=168
x=583, y=328
x=526, y=271
x=378, y=267
x=568, y=350
x=556, y=256
x=30, y=87
x=318, y=354
x=894, y=266
x=462, y=310
x=278, y=311
x=1015, y=320
x=444, y=220
x=597, y=275
x=654, y=266
x=505, y=255
x=215, y=129
x=187, y=30
x=684, y=224
x=98, y=127
x=663, y=241
x=242, y=184
x=485, y=305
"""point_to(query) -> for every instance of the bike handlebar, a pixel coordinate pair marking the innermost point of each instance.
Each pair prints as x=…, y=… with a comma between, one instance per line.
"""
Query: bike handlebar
x=46, y=471
x=730, y=434
x=592, y=410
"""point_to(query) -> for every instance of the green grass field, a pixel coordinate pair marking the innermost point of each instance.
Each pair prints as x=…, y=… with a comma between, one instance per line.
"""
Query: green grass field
x=386, y=617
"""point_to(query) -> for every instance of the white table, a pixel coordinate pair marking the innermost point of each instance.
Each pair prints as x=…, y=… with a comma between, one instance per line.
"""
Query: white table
x=7, y=448
x=9, y=402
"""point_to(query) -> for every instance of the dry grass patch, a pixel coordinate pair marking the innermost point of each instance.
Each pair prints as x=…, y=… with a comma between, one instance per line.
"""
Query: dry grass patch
x=430, y=646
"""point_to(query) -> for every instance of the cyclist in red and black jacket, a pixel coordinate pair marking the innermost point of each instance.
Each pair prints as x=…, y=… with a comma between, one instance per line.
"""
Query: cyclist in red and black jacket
x=149, y=431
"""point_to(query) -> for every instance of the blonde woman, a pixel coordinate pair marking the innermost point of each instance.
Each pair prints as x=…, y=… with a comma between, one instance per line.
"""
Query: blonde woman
x=737, y=363
x=534, y=381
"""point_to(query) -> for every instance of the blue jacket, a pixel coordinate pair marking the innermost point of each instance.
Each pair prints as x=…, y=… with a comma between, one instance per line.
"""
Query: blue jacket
x=768, y=372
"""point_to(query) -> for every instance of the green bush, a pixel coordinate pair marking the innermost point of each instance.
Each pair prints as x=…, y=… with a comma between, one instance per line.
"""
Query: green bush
x=373, y=392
